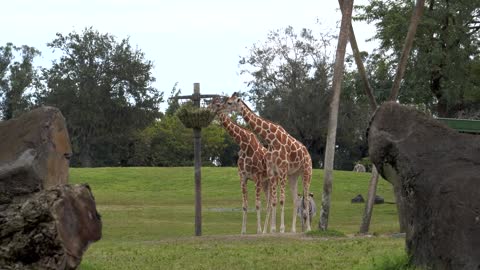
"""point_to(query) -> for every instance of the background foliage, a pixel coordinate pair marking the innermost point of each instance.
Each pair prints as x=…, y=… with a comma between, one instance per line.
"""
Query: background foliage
x=104, y=87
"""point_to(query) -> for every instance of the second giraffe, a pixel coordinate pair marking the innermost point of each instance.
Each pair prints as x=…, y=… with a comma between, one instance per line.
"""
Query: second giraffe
x=286, y=157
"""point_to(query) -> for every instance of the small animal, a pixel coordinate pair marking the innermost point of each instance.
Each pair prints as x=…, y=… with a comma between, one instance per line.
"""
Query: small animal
x=359, y=168
x=300, y=204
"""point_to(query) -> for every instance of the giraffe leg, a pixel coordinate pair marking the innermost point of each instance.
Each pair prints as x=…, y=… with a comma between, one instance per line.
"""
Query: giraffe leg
x=282, y=216
x=283, y=181
x=293, y=187
x=271, y=186
x=258, y=189
x=244, y=204
x=267, y=216
x=266, y=189
x=307, y=177
x=273, y=208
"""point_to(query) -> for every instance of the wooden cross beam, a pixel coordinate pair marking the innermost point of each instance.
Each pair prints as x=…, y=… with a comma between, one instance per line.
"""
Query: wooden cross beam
x=196, y=96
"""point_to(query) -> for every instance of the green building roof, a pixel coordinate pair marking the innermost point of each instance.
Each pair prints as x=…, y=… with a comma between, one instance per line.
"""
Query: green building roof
x=462, y=125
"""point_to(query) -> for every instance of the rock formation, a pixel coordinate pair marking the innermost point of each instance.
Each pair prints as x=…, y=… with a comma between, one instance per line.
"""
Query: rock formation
x=44, y=222
x=49, y=230
x=34, y=153
x=437, y=173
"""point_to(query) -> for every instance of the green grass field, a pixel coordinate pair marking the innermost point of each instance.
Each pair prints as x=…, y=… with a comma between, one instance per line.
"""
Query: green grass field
x=148, y=223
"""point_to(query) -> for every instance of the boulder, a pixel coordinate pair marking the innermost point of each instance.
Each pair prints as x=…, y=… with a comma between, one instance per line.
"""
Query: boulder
x=358, y=199
x=379, y=200
x=49, y=230
x=436, y=172
x=45, y=223
x=35, y=153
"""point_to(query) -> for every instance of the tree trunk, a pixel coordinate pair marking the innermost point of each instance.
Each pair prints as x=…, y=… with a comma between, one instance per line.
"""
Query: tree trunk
x=415, y=20
x=367, y=214
x=359, y=63
x=334, y=104
x=372, y=190
x=50, y=230
x=8, y=113
x=84, y=156
x=400, y=202
x=407, y=46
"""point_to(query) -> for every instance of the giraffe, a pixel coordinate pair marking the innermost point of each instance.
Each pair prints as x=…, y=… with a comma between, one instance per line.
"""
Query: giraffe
x=251, y=162
x=286, y=157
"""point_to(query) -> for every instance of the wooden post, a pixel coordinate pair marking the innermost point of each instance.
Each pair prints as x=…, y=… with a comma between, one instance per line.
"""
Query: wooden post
x=197, y=144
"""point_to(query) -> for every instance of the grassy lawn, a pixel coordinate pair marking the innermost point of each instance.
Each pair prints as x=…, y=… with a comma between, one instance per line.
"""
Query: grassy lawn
x=148, y=216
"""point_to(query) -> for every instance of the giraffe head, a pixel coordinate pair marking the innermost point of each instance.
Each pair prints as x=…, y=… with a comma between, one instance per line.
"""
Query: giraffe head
x=232, y=104
x=216, y=104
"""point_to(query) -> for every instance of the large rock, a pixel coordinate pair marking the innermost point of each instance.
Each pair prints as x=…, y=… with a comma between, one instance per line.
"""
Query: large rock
x=437, y=173
x=358, y=199
x=50, y=230
x=44, y=222
x=35, y=153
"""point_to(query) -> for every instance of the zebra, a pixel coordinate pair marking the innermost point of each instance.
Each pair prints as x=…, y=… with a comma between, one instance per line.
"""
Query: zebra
x=300, y=204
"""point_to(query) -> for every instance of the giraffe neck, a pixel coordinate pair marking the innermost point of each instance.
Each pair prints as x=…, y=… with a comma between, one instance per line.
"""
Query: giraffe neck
x=259, y=125
x=234, y=130
x=242, y=136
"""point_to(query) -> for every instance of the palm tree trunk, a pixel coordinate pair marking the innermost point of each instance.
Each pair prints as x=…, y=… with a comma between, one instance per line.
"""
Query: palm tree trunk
x=334, y=104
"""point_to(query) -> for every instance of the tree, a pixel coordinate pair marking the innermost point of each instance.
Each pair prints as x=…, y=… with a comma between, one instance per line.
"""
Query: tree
x=16, y=77
x=173, y=102
x=333, y=117
x=407, y=47
x=290, y=75
x=440, y=71
x=290, y=80
x=414, y=21
x=103, y=88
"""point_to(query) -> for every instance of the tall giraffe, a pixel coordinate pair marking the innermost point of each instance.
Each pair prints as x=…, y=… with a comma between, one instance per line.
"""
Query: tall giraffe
x=286, y=157
x=251, y=162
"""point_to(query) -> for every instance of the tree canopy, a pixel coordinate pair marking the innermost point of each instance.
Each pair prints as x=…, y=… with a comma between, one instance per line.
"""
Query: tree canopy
x=16, y=77
x=290, y=82
x=167, y=142
x=104, y=89
x=442, y=73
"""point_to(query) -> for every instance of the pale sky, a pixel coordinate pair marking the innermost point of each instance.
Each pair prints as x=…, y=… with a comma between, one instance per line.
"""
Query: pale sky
x=188, y=41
